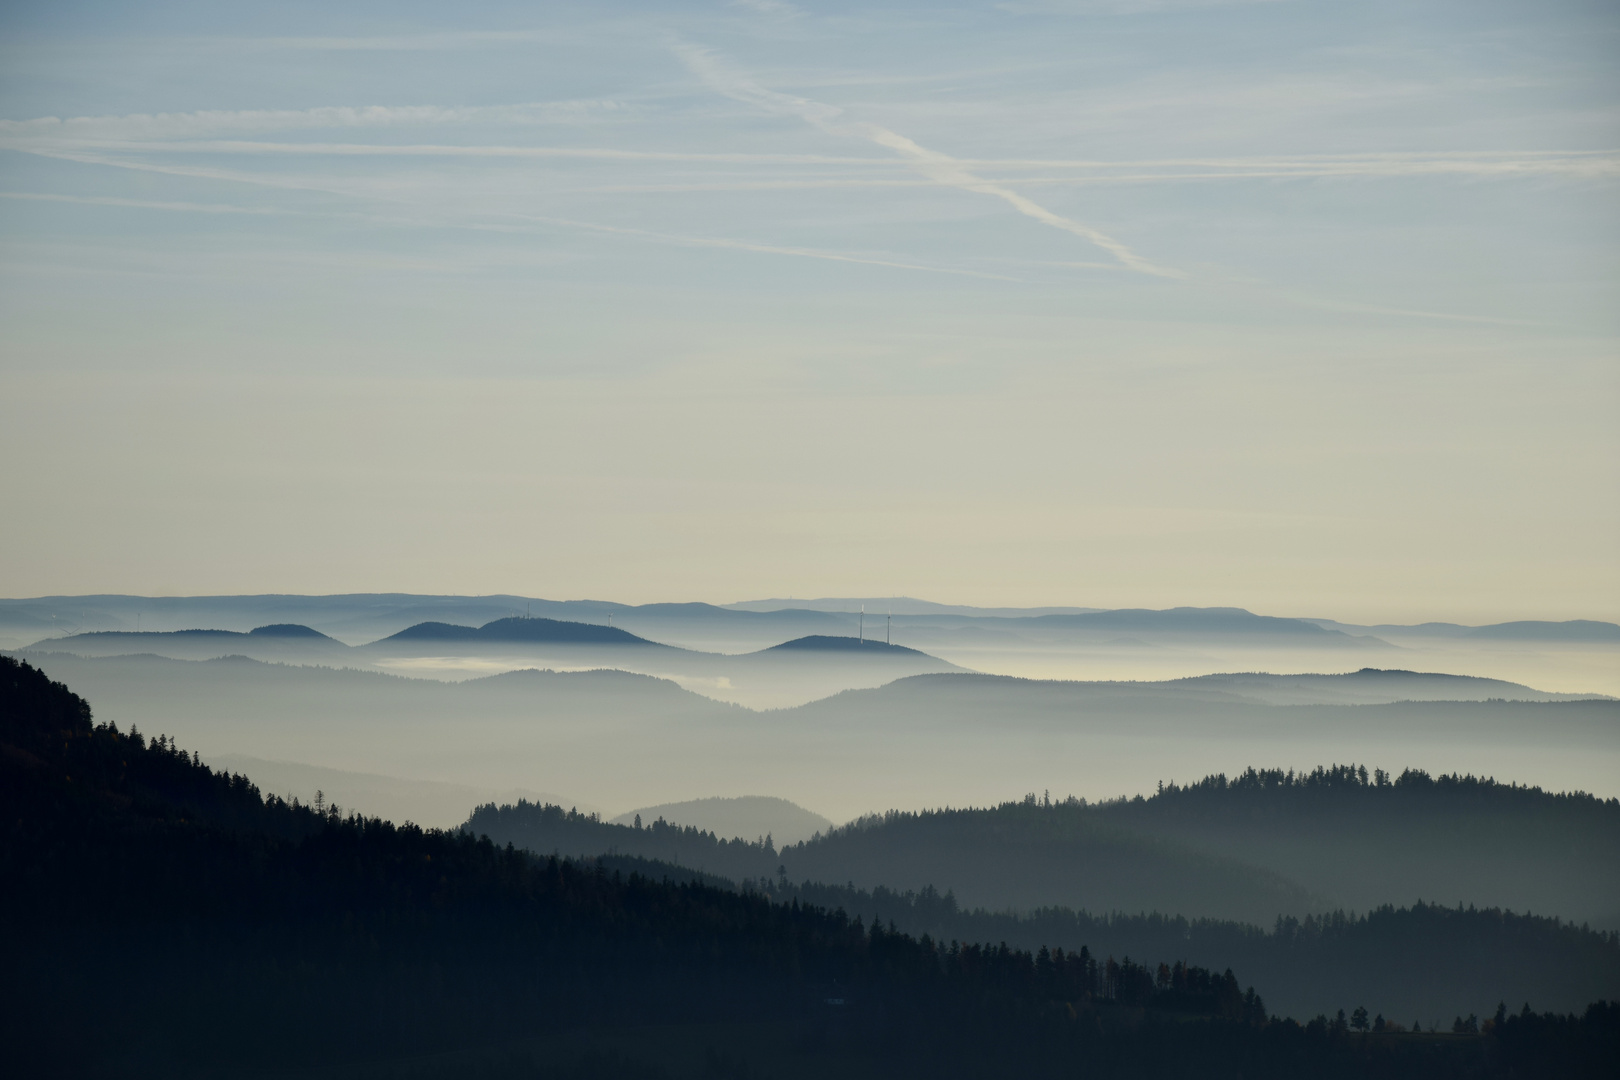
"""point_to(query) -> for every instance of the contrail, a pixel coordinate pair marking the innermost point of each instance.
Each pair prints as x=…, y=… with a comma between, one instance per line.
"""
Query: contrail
x=940, y=168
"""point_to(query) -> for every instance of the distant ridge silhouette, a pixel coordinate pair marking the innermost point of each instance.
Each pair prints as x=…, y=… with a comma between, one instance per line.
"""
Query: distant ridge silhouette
x=520, y=629
x=830, y=643
x=1531, y=630
x=277, y=630
x=289, y=630
x=1188, y=620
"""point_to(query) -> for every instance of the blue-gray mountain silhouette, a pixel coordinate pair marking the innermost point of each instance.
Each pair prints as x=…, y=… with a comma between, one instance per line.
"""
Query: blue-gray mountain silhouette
x=287, y=630
x=1531, y=630
x=830, y=643
x=521, y=629
x=1187, y=620
x=277, y=630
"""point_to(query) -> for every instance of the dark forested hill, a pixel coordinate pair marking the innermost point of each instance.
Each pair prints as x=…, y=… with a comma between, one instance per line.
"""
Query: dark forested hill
x=1425, y=961
x=1368, y=838
x=1072, y=859
x=168, y=921
x=1252, y=848
x=551, y=830
x=1010, y=857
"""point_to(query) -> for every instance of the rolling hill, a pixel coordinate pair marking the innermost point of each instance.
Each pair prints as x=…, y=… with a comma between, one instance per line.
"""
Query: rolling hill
x=515, y=630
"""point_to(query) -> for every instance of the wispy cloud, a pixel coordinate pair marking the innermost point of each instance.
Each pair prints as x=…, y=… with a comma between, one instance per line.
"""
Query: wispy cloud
x=941, y=168
x=465, y=39
x=169, y=133
x=1116, y=7
x=779, y=9
x=139, y=204
x=452, y=150
x=146, y=126
x=192, y=171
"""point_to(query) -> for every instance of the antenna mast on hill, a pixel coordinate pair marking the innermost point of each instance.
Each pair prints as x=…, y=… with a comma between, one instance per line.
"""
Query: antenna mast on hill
x=862, y=631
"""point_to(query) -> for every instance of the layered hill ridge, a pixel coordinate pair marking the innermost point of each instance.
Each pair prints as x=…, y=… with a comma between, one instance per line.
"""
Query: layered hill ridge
x=274, y=630
x=738, y=816
x=1252, y=848
x=1184, y=620
x=1367, y=686
x=514, y=630
x=828, y=643
x=371, y=616
x=620, y=739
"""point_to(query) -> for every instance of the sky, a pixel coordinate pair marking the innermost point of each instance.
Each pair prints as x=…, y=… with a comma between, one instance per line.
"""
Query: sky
x=1307, y=308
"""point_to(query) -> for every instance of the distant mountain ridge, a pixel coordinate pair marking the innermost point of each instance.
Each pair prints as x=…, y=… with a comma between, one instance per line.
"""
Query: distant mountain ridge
x=1534, y=630
x=1187, y=620
x=1371, y=686
x=519, y=629
x=289, y=630
x=276, y=630
x=1567, y=630
x=1368, y=686
x=363, y=613
x=835, y=643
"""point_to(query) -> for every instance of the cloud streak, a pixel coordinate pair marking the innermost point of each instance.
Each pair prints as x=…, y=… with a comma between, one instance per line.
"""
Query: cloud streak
x=138, y=204
x=197, y=132
x=941, y=168
x=146, y=126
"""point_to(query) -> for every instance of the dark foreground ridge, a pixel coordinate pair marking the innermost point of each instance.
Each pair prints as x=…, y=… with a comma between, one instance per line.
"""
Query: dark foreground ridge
x=169, y=921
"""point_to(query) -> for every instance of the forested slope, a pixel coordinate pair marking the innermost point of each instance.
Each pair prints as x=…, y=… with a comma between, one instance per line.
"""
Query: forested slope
x=1366, y=838
x=551, y=830
x=179, y=924
x=1427, y=961
x=1251, y=849
x=1329, y=838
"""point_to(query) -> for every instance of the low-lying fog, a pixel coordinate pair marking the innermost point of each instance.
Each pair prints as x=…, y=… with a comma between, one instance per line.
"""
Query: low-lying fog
x=619, y=741
x=426, y=727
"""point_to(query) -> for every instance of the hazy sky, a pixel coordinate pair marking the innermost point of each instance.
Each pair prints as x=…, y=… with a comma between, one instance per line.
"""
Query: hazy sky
x=1306, y=307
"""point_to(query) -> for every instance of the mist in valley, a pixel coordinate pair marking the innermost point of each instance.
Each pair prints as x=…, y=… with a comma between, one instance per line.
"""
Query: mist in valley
x=1370, y=833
